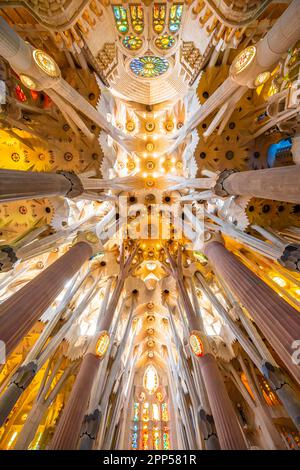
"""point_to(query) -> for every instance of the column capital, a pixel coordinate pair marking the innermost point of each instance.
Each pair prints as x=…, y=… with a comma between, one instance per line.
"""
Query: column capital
x=24, y=375
x=8, y=258
x=76, y=188
x=290, y=258
x=219, y=189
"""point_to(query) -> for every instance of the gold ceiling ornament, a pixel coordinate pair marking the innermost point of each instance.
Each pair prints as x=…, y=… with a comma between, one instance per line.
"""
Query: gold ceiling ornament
x=149, y=183
x=196, y=343
x=130, y=126
x=150, y=165
x=28, y=82
x=150, y=343
x=149, y=126
x=149, y=146
x=150, y=318
x=102, y=344
x=262, y=78
x=45, y=62
x=169, y=126
x=151, y=354
x=243, y=60
x=151, y=380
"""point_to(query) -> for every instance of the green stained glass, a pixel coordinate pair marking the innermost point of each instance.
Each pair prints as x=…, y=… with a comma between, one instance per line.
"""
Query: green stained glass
x=165, y=41
x=175, y=17
x=121, y=20
x=149, y=66
x=159, y=17
x=137, y=18
x=132, y=42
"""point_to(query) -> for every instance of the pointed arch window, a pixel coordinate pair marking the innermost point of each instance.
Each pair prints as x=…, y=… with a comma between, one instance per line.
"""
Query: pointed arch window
x=137, y=18
x=175, y=17
x=121, y=19
x=151, y=381
x=159, y=17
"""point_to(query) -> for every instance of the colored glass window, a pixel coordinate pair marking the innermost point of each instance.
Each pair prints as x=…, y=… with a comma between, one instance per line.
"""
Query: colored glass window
x=175, y=18
x=137, y=18
x=134, y=439
x=164, y=412
x=145, y=438
x=155, y=412
x=121, y=20
x=166, y=439
x=149, y=66
x=156, y=438
x=159, y=17
x=145, y=412
x=136, y=411
x=133, y=43
x=165, y=41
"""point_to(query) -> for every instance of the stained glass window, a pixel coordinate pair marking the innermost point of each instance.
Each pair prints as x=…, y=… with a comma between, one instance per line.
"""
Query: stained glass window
x=121, y=20
x=149, y=66
x=159, y=17
x=145, y=412
x=155, y=412
x=156, y=438
x=175, y=17
x=145, y=438
x=165, y=41
x=136, y=411
x=164, y=412
x=132, y=42
x=134, y=440
x=166, y=439
x=137, y=18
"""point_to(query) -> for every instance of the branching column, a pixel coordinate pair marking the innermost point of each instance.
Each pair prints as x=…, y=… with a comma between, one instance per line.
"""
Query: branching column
x=19, y=312
x=278, y=321
x=67, y=433
x=15, y=185
x=228, y=429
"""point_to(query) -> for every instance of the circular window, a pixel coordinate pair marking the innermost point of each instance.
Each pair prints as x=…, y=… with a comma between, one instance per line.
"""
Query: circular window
x=149, y=66
x=165, y=41
x=133, y=43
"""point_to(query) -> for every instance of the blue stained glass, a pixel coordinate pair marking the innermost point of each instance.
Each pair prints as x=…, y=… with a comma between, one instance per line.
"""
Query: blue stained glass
x=149, y=66
x=121, y=20
x=175, y=18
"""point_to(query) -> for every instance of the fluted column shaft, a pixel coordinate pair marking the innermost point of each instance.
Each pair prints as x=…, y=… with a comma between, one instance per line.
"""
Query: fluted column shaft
x=229, y=431
x=278, y=321
x=279, y=184
x=67, y=432
x=16, y=185
x=19, y=312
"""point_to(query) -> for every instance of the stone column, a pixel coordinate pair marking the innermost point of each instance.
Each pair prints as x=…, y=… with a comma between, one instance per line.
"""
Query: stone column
x=16, y=185
x=67, y=433
x=222, y=410
x=278, y=321
x=229, y=432
x=65, y=436
x=19, y=312
x=279, y=184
